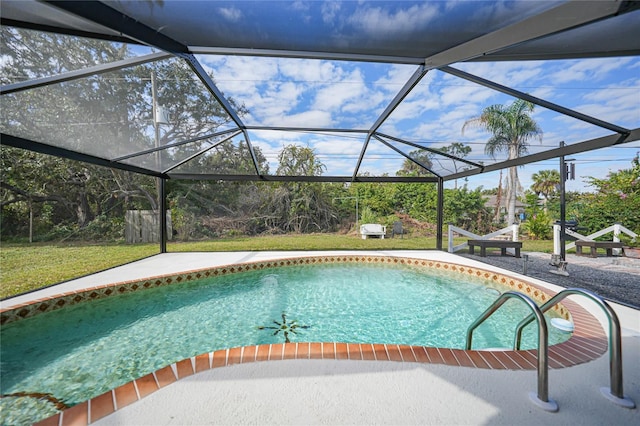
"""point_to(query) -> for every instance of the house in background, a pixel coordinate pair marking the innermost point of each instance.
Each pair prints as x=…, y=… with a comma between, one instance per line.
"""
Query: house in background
x=491, y=202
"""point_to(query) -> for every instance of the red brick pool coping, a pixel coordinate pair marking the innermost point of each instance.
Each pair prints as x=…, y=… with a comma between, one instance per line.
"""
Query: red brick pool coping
x=587, y=342
x=579, y=349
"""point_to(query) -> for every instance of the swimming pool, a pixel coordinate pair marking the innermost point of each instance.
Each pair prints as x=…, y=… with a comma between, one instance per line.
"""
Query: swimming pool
x=125, y=337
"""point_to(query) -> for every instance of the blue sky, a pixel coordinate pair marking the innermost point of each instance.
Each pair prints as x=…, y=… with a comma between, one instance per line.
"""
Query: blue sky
x=339, y=94
x=352, y=95
x=317, y=93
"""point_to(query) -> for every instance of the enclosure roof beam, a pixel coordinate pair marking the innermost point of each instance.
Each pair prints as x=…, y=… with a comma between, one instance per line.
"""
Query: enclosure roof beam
x=67, y=31
x=254, y=158
x=30, y=145
x=202, y=151
x=173, y=145
x=102, y=14
x=211, y=86
x=576, y=148
x=534, y=100
x=361, y=156
x=434, y=151
x=406, y=89
x=87, y=72
x=300, y=54
x=566, y=16
x=106, y=16
x=306, y=129
x=279, y=178
x=406, y=156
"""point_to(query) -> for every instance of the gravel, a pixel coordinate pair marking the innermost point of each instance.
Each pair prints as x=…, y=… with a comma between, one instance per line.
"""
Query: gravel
x=614, y=278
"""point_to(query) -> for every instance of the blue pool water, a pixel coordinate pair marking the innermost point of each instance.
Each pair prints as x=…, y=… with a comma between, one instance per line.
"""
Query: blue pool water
x=82, y=351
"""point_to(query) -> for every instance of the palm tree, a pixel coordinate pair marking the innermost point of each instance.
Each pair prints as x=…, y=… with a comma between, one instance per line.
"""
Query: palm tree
x=512, y=127
x=545, y=183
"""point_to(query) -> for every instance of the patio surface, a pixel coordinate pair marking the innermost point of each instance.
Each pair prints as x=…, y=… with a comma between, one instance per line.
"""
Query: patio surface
x=324, y=391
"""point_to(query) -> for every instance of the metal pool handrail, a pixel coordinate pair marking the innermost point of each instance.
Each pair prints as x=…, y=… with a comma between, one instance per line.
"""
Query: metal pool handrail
x=615, y=344
x=543, y=343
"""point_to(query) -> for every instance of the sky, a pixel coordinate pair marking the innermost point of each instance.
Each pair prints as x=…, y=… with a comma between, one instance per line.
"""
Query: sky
x=323, y=94
x=335, y=94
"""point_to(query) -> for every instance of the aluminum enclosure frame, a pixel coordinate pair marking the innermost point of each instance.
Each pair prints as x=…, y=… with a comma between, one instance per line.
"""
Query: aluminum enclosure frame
x=103, y=21
x=558, y=19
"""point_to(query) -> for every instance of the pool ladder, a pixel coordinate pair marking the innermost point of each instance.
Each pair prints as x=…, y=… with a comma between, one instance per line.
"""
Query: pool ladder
x=541, y=399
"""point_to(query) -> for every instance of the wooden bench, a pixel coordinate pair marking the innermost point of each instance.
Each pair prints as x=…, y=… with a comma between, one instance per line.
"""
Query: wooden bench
x=372, y=230
x=501, y=244
x=595, y=245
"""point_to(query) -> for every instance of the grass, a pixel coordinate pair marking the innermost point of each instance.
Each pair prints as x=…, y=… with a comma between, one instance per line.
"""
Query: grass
x=27, y=267
x=305, y=242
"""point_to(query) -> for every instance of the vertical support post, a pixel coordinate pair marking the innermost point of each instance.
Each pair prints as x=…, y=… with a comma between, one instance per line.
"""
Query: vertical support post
x=515, y=230
x=357, y=213
x=450, y=238
x=556, y=240
x=440, y=214
x=616, y=238
x=30, y=221
x=563, y=178
x=162, y=194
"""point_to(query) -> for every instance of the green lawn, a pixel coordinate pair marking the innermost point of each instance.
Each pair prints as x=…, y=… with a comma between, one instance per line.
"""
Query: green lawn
x=26, y=267
x=305, y=242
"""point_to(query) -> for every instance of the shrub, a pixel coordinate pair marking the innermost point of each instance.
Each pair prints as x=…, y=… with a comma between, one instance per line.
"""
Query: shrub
x=538, y=227
x=367, y=215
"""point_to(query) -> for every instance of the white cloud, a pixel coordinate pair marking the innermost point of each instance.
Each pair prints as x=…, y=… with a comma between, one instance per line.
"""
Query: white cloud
x=310, y=71
x=312, y=118
x=317, y=93
x=588, y=70
x=380, y=22
x=329, y=11
x=334, y=96
x=300, y=5
x=511, y=74
x=395, y=78
x=453, y=96
x=231, y=14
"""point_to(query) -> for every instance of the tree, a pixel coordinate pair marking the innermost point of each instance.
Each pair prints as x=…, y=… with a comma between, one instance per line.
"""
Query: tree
x=78, y=114
x=204, y=208
x=87, y=115
x=617, y=199
x=545, y=183
x=409, y=168
x=512, y=127
x=538, y=223
x=54, y=197
x=300, y=206
x=459, y=150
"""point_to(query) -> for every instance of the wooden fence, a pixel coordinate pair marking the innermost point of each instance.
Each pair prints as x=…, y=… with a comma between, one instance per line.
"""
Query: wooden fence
x=141, y=226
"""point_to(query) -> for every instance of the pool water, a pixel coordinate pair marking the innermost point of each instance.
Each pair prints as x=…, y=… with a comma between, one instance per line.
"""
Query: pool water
x=82, y=351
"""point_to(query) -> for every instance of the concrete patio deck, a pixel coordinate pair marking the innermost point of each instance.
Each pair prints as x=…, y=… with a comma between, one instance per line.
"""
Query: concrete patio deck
x=369, y=392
